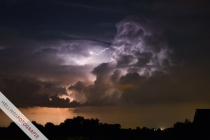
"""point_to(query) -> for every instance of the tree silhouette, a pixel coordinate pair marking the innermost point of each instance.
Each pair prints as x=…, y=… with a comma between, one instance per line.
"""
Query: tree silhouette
x=79, y=128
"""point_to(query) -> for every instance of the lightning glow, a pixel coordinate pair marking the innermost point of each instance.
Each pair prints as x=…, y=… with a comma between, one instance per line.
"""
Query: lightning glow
x=93, y=53
x=99, y=52
x=58, y=110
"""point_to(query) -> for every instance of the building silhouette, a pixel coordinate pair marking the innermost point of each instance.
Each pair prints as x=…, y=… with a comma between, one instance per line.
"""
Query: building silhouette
x=202, y=117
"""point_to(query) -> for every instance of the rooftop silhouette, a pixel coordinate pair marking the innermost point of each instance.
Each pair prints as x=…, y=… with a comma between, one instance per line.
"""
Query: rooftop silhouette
x=202, y=117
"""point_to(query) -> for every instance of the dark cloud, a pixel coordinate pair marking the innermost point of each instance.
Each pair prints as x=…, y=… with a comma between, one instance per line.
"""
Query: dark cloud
x=143, y=58
x=29, y=92
x=115, y=76
x=125, y=60
x=182, y=85
x=131, y=78
x=79, y=86
x=102, y=72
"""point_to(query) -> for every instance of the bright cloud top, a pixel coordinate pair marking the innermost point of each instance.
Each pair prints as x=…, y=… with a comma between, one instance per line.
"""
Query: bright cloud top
x=139, y=46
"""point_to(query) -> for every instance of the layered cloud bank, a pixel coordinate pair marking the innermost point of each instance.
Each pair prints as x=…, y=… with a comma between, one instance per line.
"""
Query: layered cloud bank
x=139, y=67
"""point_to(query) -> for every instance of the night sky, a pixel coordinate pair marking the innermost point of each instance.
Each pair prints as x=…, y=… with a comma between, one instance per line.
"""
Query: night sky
x=137, y=63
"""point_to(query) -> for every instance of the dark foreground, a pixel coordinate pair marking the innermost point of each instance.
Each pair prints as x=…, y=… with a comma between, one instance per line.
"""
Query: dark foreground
x=79, y=128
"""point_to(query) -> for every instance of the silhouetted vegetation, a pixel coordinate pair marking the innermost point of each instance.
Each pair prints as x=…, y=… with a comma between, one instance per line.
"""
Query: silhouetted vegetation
x=79, y=128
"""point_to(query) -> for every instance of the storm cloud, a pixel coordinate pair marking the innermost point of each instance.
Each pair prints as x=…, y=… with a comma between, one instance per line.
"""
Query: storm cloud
x=143, y=70
x=138, y=44
x=30, y=92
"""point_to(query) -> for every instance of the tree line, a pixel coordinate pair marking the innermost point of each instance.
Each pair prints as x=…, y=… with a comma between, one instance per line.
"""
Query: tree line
x=80, y=128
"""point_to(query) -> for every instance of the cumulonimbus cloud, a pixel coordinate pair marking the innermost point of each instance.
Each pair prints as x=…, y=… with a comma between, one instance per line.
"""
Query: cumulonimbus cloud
x=138, y=45
x=138, y=52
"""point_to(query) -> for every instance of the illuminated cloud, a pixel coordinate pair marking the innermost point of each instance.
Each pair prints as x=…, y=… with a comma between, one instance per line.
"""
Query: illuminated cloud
x=80, y=52
x=142, y=69
x=58, y=60
x=137, y=45
x=138, y=52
